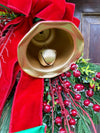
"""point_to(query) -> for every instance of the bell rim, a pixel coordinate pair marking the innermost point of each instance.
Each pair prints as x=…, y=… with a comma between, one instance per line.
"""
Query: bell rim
x=45, y=74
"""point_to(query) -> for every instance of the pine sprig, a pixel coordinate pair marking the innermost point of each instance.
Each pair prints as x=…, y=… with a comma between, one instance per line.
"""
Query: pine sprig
x=6, y=15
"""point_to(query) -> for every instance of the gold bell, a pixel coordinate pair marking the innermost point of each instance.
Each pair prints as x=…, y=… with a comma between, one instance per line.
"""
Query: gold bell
x=49, y=48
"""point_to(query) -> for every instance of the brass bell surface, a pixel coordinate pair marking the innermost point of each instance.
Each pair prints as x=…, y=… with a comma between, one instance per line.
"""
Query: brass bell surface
x=60, y=36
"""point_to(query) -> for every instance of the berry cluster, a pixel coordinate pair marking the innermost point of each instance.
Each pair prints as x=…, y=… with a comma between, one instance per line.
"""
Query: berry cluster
x=66, y=96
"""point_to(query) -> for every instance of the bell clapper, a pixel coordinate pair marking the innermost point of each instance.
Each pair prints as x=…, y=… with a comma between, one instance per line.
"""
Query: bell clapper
x=47, y=57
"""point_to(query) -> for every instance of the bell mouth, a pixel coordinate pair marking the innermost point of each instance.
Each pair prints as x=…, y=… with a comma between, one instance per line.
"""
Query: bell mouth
x=56, y=39
x=62, y=36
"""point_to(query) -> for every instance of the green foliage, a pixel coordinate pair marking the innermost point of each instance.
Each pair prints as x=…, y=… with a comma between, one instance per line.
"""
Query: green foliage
x=6, y=14
x=88, y=71
x=5, y=118
x=4, y=7
x=36, y=20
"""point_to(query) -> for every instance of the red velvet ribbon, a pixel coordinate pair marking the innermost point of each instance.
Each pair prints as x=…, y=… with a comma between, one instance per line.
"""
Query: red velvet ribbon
x=27, y=104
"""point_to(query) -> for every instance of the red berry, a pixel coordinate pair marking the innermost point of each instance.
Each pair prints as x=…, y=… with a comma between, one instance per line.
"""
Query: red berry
x=54, y=82
x=59, y=87
x=86, y=102
x=47, y=108
x=73, y=112
x=73, y=66
x=77, y=96
x=82, y=87
x=58, y=120
x=94, y=79
x=62, y=112
x=72, y=121
x=44, y=103
x=57, y=101
x=76, y=73
x=62, y=130
x=68, y=74
x=91, y=86
x=67, y=84
x=66, y=103
x=78, y=87
x=98, y=75
x=89, y=93
x=62, y=75
x=48, y=93
x=96, y=107
x=54, y=89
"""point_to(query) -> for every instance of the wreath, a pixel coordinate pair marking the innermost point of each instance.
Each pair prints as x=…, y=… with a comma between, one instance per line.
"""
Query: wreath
x=71, y=100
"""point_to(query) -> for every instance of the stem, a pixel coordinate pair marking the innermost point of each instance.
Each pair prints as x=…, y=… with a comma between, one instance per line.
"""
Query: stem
x=9, y=35
x=95, y=100
x=66, y=113
x=52, y=106
x=73, y=105
x=89, y=118
x=65, y=125
x=77, y=105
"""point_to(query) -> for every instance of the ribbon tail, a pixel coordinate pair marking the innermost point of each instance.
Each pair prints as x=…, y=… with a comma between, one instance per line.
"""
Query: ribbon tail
x=8, y=57
x=27, y=104
x=15, y=72
x=7, y=84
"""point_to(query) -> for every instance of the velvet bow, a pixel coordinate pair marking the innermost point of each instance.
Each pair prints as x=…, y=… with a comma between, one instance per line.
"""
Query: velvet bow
x=27, y=104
